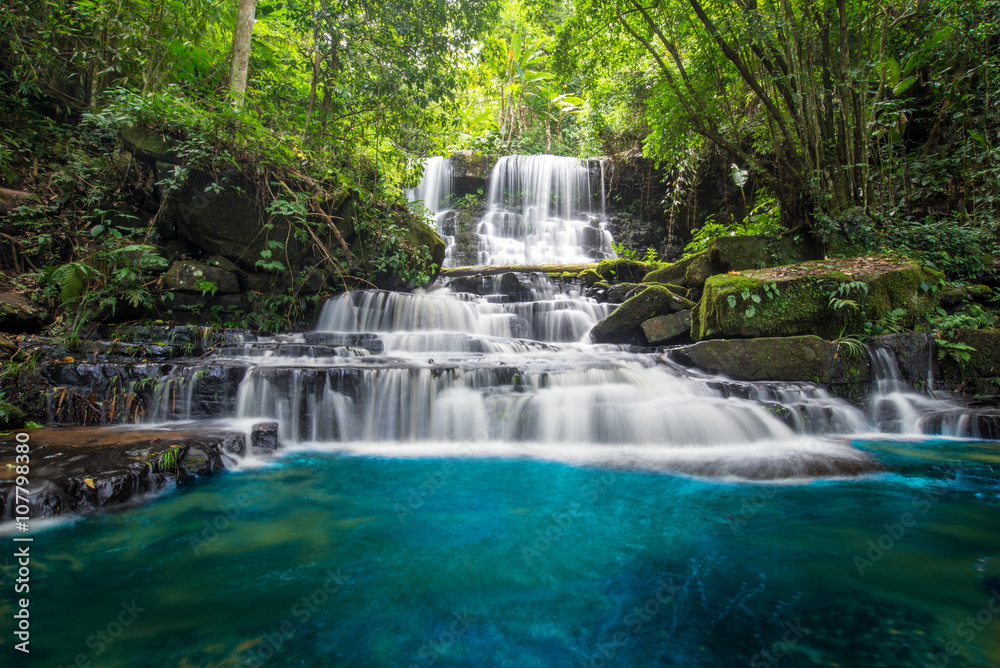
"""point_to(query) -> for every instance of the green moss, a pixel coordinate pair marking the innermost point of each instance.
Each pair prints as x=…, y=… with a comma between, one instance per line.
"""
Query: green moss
x=624, y=322
x=728, y=306
x=621, y=270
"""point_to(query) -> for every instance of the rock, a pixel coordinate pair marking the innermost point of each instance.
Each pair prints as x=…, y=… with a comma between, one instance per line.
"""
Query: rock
x=189, y=276
x=984, y=360
x=83, y=469
x=698, y=271
x=664, y=329
x=956, y=295
x=795, y=299
x=11, y=199
x=794, y=358
x=732, y=254
x=11, y=417
x=675, y=274
x=915, y=353
x=264, y=438
x=471, y=284
x=757, y=252
x=621, y=291
x=470, y=172
x=592, y=239
x=18, y=314
x=619, y=271
x=625, y=322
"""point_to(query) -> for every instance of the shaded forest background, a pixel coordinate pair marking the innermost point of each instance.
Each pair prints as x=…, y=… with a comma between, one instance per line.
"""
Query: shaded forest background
x=861, y=126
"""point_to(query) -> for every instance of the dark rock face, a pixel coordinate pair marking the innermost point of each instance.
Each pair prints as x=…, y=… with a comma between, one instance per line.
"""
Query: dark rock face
x=18, y=314
x=470, y=172
x=264, y=438
x=190, y=276
x=915, y=353
x=80, y=470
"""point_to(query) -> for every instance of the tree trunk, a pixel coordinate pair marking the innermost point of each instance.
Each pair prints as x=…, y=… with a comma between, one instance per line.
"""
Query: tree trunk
x=241, y=51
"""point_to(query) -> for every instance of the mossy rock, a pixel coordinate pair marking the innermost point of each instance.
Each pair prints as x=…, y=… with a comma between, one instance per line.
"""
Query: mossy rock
x=674, y=274
x=956, y=295
x=622, y=271
x=11, y=417
x=757, y=252
x=793, y=358
x=795, y=299
x=984, y=360
x=624, y=323
x=732, y=254
x=190, y=276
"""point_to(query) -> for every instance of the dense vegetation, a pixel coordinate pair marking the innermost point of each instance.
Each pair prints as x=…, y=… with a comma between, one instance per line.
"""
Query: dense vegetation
x=861, y=124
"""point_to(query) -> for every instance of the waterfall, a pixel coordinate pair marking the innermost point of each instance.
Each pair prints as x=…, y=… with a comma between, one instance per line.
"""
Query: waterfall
x=434, y=190
x=541, y=210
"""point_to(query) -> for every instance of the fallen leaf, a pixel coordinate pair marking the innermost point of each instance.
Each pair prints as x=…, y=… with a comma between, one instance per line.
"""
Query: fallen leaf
x=67, y=360
x=90, y=482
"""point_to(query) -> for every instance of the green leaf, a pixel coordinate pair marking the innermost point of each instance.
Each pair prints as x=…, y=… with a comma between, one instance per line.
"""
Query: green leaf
x=903, y=85
x=732, y=301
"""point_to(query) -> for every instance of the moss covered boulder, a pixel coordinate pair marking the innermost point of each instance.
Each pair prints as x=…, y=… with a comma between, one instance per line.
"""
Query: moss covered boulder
x=732, y=254
x=845, y=372
x=625, y=322
x=796, y=299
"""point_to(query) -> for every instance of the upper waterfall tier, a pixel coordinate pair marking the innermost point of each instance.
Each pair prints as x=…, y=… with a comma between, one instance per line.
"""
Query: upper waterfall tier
x=540, y=209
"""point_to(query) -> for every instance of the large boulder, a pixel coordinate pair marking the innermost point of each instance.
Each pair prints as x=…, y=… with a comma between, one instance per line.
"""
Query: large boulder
x=796, y=299
x=625, y=322
x=845, y=371
x=731, y=254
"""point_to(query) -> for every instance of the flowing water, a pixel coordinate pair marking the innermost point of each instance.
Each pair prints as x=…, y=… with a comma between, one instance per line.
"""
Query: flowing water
x=466, y=482
x=540, y=209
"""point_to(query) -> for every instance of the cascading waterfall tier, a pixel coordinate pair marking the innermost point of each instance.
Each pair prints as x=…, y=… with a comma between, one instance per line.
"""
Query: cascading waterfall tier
x=443, y=373
x=541, y=209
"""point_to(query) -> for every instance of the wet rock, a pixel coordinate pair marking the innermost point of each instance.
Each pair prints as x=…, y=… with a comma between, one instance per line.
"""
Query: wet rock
x=915, y=353
x=18, y=314
x=796, y=299
x=83, y=469
x=264, y=438
x=620, y=292
x=199, y=278
x=665, y=329
x=792, y=358
x=625, y=322
x=470, y=171
x=470, y=284
x=368, y=341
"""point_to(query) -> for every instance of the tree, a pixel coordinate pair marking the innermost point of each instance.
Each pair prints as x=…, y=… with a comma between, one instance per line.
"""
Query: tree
x=240, y=63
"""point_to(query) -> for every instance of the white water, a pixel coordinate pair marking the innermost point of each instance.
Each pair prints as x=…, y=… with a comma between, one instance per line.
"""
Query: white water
x=541, y=209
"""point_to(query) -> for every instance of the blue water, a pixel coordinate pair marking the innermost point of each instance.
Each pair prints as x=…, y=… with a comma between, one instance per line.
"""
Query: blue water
x=326, y=559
